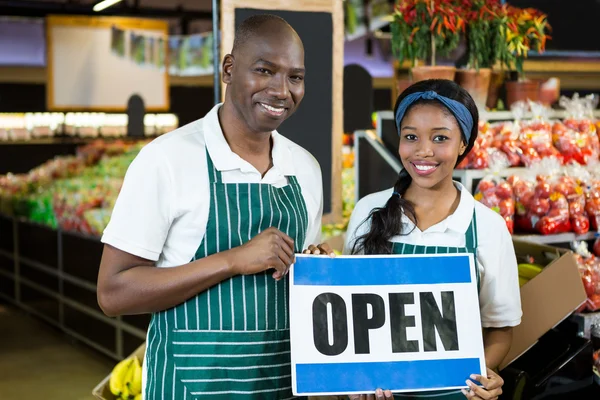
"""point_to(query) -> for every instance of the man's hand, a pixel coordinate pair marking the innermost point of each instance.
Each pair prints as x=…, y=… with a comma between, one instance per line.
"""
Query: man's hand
x=379, y=395
x=269, y=249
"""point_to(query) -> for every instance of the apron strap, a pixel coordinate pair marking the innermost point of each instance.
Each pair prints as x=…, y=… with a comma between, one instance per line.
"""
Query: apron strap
x=471, y=234
x=214, y=175
x=471, y=244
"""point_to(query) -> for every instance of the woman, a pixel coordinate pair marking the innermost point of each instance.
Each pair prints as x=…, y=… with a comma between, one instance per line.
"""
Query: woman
x=427, y=211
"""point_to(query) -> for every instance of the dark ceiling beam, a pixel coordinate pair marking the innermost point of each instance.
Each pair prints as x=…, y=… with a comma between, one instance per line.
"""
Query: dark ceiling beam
x=29, y=8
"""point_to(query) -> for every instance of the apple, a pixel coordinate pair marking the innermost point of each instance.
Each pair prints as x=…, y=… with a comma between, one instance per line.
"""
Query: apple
x=527, y=198
x=510, y=224
x=562, y=213
x=464, y=164
x=539, y=206
x=507, y=207
x=596, y=248
x=490, y=200
x=588, y=283
x=558, y=200
x=504, y=190
x=512, y=180
x=543, y=190
x=580, y=224
x=480, y=159
x=485, y=186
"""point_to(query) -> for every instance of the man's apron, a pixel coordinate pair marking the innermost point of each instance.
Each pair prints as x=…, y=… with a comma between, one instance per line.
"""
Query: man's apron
x=233, y=340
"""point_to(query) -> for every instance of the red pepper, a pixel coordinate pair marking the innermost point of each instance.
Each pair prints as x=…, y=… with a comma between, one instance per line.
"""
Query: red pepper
x=435, y=20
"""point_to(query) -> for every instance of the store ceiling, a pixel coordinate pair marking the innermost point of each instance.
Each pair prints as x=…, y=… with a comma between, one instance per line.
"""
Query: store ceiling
x=204, y=5
x=191, y=9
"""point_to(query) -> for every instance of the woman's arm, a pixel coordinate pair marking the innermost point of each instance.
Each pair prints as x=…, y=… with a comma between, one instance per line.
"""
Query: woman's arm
x=496, y=342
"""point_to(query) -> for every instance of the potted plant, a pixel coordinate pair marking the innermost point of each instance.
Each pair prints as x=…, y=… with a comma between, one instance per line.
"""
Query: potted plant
x=526, y=30
x=424, y=30
x=482, y=33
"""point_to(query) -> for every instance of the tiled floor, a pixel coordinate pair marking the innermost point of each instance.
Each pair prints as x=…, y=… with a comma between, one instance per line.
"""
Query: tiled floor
x=39, y=362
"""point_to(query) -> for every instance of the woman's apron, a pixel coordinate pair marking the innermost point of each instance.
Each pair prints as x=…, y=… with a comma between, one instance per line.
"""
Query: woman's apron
x=471, y=247
x=233, y=340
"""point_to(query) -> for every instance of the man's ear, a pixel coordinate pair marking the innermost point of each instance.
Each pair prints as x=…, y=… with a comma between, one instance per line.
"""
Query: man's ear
x=227, y=68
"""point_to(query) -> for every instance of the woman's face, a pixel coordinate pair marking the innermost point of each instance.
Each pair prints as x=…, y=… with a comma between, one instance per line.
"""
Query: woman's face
x=430, y=144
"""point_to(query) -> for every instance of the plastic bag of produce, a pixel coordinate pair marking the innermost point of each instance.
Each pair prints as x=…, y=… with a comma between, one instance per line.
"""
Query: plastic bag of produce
x=576, y=136
x=589, y=269
x=537, y=132
x=496, y=193
x=547, y=210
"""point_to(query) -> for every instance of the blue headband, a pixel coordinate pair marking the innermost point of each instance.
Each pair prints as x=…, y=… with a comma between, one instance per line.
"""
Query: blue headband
x=460, y=112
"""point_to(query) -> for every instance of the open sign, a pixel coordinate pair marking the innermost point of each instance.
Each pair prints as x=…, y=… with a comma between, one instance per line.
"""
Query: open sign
x=404, y=323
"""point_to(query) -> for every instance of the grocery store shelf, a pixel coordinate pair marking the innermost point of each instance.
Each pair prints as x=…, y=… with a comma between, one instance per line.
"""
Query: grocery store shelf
x=5, y=253
x=54, y=272
x=492, y=115
x=70, y=332
x=586, y=322
x=41, y=277
x=470, y=177
x=508, y=115
x=65, y=140
x=558, y=238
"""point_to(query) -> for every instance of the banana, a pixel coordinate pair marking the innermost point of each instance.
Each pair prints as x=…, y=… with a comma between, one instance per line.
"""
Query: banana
x=522, y=281
x=126, y=392
x=529, y=271
x=117, y=378
x=135, y=386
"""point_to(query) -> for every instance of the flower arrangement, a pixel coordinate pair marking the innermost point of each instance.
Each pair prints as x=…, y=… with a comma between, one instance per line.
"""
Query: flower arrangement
x=525, y=30
x=424, y=29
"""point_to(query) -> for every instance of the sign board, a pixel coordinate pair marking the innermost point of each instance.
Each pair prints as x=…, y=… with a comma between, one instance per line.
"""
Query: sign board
x=403, y=323
x=98, y=63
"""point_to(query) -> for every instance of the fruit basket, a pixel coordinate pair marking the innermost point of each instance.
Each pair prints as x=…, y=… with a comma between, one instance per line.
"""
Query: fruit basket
x=103, y=390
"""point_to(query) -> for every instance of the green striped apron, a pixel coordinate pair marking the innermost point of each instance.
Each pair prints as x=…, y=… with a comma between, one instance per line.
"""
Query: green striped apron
x=471, y=247
x=232, y=340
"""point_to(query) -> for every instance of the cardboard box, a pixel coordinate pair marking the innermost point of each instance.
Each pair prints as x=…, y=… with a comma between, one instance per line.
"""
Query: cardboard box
x=548, y=298
x=102, y=391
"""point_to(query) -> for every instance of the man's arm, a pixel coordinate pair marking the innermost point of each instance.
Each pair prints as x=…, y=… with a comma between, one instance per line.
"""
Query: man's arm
x=128, y=284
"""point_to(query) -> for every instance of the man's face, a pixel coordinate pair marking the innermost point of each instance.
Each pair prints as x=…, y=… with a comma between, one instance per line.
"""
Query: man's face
x=266, y=79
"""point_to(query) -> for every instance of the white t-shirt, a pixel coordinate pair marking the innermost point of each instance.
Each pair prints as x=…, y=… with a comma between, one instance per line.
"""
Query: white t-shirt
x=499, y=297
x=162, y=211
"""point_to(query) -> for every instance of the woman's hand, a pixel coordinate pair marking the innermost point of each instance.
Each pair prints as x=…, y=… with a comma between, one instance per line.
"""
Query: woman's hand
x=492, y=387
x=320, y=249
x=379, y=395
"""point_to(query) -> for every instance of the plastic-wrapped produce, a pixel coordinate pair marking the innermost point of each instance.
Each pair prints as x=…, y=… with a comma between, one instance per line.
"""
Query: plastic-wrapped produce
x=497, y=193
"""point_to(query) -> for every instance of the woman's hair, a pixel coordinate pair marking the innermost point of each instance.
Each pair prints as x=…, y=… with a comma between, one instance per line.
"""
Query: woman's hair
x=386, y=222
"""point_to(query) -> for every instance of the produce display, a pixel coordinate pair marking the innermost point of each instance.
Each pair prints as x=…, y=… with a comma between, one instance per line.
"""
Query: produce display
x=519, y=143
x=126, y=379
x=546, y=199
x=589, y=269
x=27, y=126
x=75, y=193
x=528, y=271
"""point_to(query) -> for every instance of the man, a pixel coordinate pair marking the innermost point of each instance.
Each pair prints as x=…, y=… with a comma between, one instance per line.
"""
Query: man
x=220, y=206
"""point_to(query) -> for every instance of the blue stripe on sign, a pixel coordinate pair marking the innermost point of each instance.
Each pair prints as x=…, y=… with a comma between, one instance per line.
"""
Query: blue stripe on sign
x=360, y=271
x=395, y=376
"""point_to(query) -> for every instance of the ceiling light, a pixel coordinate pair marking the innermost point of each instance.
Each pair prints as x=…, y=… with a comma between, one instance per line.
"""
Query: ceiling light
x=105, y=4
